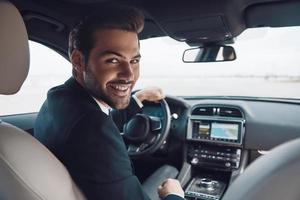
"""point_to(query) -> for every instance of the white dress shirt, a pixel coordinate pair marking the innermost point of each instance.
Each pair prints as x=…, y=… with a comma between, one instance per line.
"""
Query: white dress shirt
x=106, y=108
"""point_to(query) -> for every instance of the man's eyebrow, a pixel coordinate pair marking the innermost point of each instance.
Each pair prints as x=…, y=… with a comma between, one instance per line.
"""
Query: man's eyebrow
x=137, y=56
x=108, y=52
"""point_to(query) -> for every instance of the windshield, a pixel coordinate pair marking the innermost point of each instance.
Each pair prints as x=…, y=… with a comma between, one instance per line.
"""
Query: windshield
x=267, y=65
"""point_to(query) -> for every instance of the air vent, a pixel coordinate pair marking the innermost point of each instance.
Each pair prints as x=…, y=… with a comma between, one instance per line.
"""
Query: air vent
x=229, y=112
x=205, y=111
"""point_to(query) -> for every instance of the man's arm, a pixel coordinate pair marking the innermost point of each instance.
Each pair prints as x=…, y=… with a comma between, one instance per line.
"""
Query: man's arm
x=173, y=197
x=96, y=157
x=152, y=94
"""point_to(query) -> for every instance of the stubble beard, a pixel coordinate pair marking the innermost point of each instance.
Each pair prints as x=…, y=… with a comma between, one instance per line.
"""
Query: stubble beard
x=92, y=86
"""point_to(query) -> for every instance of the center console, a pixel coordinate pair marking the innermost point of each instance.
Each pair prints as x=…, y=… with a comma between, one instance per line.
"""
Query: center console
x=214, y=157
x=205, y=188
x=214, y=151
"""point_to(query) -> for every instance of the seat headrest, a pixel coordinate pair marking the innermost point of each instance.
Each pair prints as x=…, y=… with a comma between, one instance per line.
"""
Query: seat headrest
x=14, y=50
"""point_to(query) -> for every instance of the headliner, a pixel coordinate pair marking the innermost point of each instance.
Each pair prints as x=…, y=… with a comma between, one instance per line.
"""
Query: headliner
x=196, y=22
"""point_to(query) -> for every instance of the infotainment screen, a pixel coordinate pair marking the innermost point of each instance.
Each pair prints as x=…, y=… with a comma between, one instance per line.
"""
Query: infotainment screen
x=216, y=130
x=226, y=131
x=204, y=129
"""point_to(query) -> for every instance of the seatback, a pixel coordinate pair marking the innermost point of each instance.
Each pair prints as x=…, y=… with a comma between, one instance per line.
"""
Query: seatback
x=28, y=170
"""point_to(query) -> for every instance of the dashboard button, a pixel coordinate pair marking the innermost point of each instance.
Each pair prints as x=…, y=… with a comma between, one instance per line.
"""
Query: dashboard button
x=219, y=158
x=227, y=164
x=195, y=161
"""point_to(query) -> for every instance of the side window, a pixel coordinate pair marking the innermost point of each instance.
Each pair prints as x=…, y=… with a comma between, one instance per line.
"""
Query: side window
x=47, y=69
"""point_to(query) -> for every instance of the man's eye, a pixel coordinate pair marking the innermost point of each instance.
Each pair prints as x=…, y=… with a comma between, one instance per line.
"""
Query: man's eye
x=135, y=61
x=112, y=60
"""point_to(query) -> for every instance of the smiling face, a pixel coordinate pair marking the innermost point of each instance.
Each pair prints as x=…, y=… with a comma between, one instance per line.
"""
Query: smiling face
x=112, y=68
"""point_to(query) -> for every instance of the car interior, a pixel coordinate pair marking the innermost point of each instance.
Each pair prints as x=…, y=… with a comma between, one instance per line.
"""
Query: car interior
x=224, y=147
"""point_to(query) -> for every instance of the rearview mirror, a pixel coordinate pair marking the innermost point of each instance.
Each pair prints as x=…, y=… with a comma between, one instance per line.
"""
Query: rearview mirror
x=209, y=54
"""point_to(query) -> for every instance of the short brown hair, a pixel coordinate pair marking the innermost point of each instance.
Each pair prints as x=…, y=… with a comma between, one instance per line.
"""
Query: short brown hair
x=109, y=16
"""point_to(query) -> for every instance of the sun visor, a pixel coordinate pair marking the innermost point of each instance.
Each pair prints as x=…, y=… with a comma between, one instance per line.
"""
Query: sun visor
x=278, y=14
x=151, y=29
x=197, y=31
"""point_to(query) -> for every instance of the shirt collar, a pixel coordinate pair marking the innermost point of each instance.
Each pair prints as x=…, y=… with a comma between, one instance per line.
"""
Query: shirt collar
x=103, y=107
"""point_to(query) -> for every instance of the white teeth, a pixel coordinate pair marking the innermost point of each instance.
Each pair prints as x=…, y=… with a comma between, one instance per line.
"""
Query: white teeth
x=121, y=87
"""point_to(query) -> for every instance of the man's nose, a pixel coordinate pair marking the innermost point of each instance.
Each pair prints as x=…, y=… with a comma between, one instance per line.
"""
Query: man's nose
x=126, y=70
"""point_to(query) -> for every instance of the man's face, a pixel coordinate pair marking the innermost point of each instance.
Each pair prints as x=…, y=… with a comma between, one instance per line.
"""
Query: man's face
x=112, y=68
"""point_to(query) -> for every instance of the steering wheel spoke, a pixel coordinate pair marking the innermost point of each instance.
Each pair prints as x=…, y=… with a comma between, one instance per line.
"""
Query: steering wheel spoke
x=153, y=139
x=155, y=123
x=144, y=133
x=132, y=148
x=137, y=148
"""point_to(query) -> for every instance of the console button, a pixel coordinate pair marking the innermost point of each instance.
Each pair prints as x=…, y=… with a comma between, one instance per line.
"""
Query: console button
x=219, y=158
x=227, y=164
x=195, y=161
x=203, y=156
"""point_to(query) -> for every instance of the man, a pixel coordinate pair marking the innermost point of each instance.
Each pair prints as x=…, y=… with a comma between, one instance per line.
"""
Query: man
x=74, y=122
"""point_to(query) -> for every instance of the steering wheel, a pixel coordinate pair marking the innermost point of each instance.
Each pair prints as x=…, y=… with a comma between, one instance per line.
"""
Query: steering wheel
x=144, y=134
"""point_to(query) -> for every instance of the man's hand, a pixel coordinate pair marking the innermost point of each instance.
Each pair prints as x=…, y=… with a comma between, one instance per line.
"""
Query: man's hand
x=153, y=94
x=170, y=186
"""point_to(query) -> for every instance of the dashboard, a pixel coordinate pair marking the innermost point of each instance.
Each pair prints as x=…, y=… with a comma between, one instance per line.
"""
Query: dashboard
x=216, y=138
x=267, y=123
x=223, y=136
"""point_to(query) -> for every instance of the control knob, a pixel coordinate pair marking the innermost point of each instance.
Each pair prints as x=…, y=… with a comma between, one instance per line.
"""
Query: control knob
x=195, y=161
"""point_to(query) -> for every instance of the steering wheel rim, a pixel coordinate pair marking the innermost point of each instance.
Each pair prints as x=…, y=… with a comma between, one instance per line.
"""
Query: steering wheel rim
x=141, y=150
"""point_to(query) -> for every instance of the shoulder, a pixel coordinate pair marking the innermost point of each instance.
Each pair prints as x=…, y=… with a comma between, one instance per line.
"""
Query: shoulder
x=94, y=124
x=70, y=100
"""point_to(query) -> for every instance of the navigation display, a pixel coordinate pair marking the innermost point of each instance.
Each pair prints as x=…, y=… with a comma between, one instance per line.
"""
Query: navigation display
x=204, y=128
x=224, y=131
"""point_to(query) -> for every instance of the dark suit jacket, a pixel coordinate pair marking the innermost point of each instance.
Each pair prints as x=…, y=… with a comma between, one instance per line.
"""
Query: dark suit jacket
x=88, y=142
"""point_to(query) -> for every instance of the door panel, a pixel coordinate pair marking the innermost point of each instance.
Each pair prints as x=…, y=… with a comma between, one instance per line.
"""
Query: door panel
x=22, y=121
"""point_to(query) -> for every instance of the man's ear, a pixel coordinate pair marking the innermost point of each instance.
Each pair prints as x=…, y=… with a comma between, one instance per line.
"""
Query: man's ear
x=77, y=60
